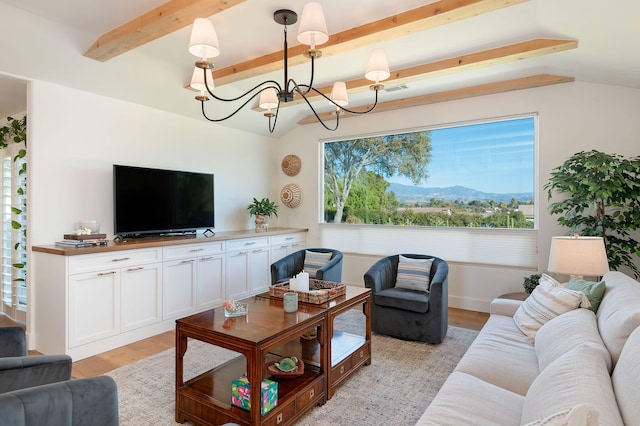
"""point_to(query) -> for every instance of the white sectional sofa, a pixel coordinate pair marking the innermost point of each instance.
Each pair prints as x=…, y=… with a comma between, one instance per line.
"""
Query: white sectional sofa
x=581, y=366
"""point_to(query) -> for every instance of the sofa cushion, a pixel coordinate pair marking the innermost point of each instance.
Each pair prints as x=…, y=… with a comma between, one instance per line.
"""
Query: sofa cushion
x=400, y=298
x=579, y=376
x=501, y=355
x=565, y=332
x=593, y=290
x=619, y=312
x=314, y=260
x=548, y=300
x=582, y=415
x=626, y=377
x=467, y=400
x=413, y=274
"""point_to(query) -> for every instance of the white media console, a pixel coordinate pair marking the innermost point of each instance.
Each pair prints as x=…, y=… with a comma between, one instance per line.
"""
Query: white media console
x=90, y=300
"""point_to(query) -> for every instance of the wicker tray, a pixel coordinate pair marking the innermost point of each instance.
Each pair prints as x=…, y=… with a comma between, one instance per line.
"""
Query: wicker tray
x=326, y=290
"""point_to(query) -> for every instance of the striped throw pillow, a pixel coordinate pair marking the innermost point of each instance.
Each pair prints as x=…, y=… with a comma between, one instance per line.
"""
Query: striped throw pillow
x=413, y=274
x=548, y=300
x=314, y=260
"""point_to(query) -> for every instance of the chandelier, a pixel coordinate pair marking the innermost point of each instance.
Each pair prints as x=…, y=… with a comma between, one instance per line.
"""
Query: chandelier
x=312, y=31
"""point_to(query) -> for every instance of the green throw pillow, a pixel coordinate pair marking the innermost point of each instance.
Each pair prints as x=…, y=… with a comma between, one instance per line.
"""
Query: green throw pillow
x=593, y=290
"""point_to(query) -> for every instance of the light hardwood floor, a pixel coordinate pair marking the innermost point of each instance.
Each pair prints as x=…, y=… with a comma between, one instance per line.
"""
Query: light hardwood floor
x=107, y=361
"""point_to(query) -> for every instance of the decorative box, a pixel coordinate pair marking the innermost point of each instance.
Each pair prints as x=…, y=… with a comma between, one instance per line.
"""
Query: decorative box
x=241, y=393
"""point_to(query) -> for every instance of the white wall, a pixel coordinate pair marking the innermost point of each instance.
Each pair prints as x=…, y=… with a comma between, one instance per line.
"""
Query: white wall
x=572, y=117
x=75, y=138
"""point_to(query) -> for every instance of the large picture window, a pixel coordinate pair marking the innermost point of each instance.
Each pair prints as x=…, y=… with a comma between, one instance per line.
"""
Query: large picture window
x=477, y=175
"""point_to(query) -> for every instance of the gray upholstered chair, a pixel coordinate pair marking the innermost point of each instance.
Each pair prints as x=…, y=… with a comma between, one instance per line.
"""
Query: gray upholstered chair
x=294, y=263
x=38, y=390
x=404, y=313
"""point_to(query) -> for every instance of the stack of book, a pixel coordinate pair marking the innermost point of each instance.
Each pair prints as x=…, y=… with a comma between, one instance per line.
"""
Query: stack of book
x=83, y=240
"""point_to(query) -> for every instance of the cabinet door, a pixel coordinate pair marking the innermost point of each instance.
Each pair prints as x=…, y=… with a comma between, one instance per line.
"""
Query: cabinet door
x=94, y=306
x=279, y=251
x=141, y=288
x=178, y=289
x=210, y=282
x=259, y=271
x=237, y=278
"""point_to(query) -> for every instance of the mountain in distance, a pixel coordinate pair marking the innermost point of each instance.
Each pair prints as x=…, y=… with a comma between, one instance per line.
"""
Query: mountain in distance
x=416, y=194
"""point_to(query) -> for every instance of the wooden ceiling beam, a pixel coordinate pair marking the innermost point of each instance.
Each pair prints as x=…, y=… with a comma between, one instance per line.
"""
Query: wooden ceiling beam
x=412, y=21
x=455, y=94
x=163, y=20
x=500, y=55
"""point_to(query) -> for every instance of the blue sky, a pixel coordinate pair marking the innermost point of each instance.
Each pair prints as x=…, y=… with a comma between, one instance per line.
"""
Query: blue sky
x=493, y=157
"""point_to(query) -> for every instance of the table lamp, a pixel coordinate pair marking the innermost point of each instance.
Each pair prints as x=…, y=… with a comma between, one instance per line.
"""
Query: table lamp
x=578, y=256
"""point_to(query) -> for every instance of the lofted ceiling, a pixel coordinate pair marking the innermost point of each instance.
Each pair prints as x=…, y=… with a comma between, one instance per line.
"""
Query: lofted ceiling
x=437, y=50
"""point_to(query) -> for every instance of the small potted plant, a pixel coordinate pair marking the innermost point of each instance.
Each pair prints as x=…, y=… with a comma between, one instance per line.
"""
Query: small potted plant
x=531, y=282
x=263, y=210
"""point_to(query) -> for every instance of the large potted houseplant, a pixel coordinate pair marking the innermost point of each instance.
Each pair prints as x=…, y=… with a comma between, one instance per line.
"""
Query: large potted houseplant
x=263, y=210
x=600, y=196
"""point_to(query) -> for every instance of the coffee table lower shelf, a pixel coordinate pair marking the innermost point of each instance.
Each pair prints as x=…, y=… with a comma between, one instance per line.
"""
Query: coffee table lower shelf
x=200, y=401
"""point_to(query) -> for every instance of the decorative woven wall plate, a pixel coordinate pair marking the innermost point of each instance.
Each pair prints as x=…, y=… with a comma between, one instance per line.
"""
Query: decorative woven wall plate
x=291, y=195
x=291, y=165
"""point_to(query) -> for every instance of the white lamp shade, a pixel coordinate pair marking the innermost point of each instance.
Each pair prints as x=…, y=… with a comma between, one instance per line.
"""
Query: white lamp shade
x=204, y=40
x=197, y=79
x=578, y=256
x=268, y=98
x=312, y=29
x=339, y=93
x=378, y=67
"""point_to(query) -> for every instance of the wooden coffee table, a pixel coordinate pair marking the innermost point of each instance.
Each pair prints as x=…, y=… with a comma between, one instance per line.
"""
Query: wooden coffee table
x=266, y=334
x=206, y=399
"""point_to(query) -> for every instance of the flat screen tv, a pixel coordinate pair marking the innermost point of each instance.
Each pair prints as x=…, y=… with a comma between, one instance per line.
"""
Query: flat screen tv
x=150, y=201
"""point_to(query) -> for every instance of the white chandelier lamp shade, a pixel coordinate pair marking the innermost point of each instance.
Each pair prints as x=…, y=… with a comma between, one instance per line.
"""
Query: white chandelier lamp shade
x=377, y=67
x=268, y=98
x=312, y=29
x=339, y=94
x=197, y=80
x=578, y=256
x=204, y=40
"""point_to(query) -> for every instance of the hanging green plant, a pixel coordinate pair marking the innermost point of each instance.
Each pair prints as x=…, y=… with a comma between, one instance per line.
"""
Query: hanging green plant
x=15, y=131
x=600, y=197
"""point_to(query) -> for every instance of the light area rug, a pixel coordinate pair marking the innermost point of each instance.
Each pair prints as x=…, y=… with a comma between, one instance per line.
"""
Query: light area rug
x=395, y=389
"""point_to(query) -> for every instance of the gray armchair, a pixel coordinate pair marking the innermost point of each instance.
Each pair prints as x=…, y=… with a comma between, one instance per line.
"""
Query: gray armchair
x=38, y=390
x=404, y=313
x=292, y=264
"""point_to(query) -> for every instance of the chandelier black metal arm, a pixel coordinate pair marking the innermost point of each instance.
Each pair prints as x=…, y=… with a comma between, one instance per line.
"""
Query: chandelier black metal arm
x=204, y=99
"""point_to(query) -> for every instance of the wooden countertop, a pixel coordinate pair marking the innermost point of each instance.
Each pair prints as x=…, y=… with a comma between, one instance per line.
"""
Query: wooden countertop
x=136, y=243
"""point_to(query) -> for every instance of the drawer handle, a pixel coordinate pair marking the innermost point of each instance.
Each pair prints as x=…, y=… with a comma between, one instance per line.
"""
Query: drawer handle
x=102, y=274
x=289, y=238
x=120, y=259
x=135, y=269
x=312, y=393
x=361, y=354
x=249, y=244
x=202, y=259
x=295, y=244
x=284, y=246
x=257, y=251
x=241, y=253
x=187, y=261
x=342, y=369
x=195, y=250
x=279, y=418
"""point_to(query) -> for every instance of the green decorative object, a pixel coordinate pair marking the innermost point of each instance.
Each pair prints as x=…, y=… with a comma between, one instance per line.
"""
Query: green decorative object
x=262, y=210
x=15, y=131
x=601, y=198
x=531, y=282
x=287, y=364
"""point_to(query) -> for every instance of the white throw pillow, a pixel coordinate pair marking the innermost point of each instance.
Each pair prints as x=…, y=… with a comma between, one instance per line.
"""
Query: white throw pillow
x=580, y=415
x=548, y=300
x=578, y=377
x=413, y=274
x=314, y=260
x=565, y=332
